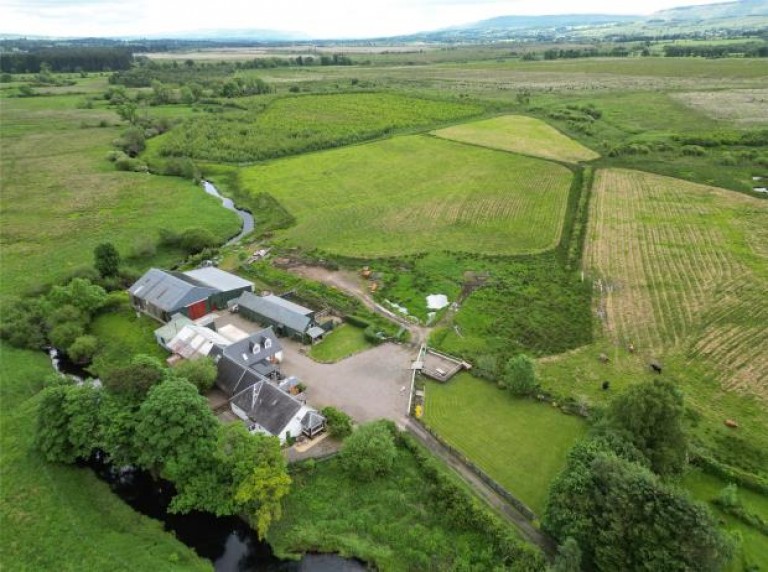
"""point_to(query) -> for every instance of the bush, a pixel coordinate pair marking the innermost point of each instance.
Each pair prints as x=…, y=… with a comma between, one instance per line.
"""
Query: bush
x=339, y=424
x=372, y=335
x=64, y=335
x=194, y=240
x=83, y=348
x=693, y=150
x=520, y=376
x=357, y=321
x=200, y=372
x=369, y=452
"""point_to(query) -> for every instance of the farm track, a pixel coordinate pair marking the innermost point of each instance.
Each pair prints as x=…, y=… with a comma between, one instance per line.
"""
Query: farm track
x=681, y=272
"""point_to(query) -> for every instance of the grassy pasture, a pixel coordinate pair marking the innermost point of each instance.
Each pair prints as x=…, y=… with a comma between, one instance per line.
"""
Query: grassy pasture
x=520, y=443
x=57, y=517
x=292, y=125
x=520, y=134
x=415, y=194
x=345, y=340
x=60, y=197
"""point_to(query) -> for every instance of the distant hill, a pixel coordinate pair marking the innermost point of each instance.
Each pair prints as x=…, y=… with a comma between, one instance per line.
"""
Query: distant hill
x=711, y=11
x=231, y=35
x=540, y=22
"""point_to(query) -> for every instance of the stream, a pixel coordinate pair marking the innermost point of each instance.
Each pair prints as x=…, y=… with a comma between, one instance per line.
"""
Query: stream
x=245, y=216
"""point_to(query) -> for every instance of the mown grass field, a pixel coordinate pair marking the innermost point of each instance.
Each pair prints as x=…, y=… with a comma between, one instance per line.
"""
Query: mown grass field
x=292, y=125
x=522, y=444
x=414, y=194
x=520, y=134
x=680, y=271
x=61, y=197
x=60, y=517
x=345, y=340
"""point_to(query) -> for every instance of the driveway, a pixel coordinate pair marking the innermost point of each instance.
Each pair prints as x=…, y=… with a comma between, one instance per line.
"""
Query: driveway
x=373, y=384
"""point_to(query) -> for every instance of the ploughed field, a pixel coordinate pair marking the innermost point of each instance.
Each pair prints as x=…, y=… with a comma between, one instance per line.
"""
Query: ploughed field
x=520, y=134
x=417, y=193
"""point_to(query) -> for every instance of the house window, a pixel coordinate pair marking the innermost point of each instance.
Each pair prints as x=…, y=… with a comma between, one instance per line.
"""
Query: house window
x=267, y=343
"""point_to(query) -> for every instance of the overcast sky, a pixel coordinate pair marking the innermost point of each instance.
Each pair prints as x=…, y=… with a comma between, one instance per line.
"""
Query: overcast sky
x=317, y=18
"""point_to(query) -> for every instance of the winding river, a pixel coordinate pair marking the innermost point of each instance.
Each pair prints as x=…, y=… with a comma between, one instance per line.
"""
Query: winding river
x=245, y=216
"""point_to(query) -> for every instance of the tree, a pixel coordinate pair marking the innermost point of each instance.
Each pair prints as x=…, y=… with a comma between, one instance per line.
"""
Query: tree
x=106, y=259
x=135, y=380
x=370, y=451
x=339, y=424
x=64, y=335
x=568, y=557
x=83, y=348
x=22, y=323
x=80, y=293
x=132, y=141
x=650, y=416
x=176, y=432
x=199, y=372
x=624, y=518
x=67, y=421
x=520, y=376
x=194, y=240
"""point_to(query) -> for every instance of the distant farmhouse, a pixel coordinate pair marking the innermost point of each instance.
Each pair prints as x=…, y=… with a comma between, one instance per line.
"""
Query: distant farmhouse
x=287, y=318
x=161, y=293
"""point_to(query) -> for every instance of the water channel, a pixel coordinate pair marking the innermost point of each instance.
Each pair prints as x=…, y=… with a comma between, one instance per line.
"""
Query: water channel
x=229, y=204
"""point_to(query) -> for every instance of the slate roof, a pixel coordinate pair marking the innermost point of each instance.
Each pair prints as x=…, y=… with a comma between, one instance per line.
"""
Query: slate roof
x=267, y=406
x=169, y=292
x=278, y=310
x=215, y=278
x=232, y=377
x=312, y=421
x=256, y=348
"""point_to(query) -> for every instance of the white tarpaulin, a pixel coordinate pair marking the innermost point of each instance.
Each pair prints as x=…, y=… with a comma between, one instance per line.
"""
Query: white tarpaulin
x=437, y=301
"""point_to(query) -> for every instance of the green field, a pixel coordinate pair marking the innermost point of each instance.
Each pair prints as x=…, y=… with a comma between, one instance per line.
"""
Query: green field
x=60, y=517
x=345, y=340
x=754, y=548
x=520, y=134
x=294, y=125
x=521, y=444
x=61, y=197
x=414, y=194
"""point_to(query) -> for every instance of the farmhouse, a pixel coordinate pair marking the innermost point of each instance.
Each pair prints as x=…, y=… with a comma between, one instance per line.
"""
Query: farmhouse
x=248, y=361
x=161, y=294
x=287, y=318
x=268, y=409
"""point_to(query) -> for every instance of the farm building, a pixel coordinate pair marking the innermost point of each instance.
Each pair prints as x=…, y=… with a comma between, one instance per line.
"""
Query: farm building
x=287, y=318
x=268, y=409
x=247, y=361
x=193, y=342
x=166, y=333
x=161, y=294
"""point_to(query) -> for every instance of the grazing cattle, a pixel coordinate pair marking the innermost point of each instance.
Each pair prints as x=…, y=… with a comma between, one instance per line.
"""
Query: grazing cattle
x=655, y=367
x=631, y=348
x=604, y=358
x=731, y=423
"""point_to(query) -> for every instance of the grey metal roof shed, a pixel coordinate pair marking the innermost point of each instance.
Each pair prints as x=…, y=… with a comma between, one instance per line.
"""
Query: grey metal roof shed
x=161, y=293
x=219, y=279
x=277, y=310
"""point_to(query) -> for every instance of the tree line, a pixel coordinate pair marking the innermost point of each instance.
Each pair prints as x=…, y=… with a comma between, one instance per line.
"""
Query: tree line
x=67, y=59
x=747, y=49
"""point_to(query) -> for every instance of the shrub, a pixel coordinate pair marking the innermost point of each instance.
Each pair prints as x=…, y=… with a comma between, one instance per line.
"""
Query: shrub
x=369, y=452
x=64, y=335
x=339, y=424
x=194, y=240
x=372, y=335
x=83, y=348
x=693, y=150
x=200, y=372
x=520, y=376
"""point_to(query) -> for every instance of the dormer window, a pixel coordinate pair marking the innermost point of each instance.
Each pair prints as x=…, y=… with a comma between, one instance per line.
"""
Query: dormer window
x=267, y=343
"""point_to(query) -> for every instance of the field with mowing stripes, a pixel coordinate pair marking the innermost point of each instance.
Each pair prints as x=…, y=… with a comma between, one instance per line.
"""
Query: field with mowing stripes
x=682, y=267
x=417, y=193
x=520, y=443
x=520, y=134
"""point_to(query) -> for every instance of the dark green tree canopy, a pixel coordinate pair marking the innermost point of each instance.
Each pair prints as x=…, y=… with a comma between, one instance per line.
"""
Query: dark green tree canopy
x=650, y=416
x=520, y=376
x=134, y=380
x=624, y=518
x=106, y=259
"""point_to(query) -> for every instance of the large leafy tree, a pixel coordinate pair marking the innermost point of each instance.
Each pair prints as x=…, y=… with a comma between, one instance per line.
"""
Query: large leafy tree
x=624, y=518
x=199, y=372
x=176, y=431
x=650, y=416
x=134, y=380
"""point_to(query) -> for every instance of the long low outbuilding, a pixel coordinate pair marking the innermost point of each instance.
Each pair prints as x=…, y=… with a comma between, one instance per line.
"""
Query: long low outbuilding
x=163, y=293
x=286, y=317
